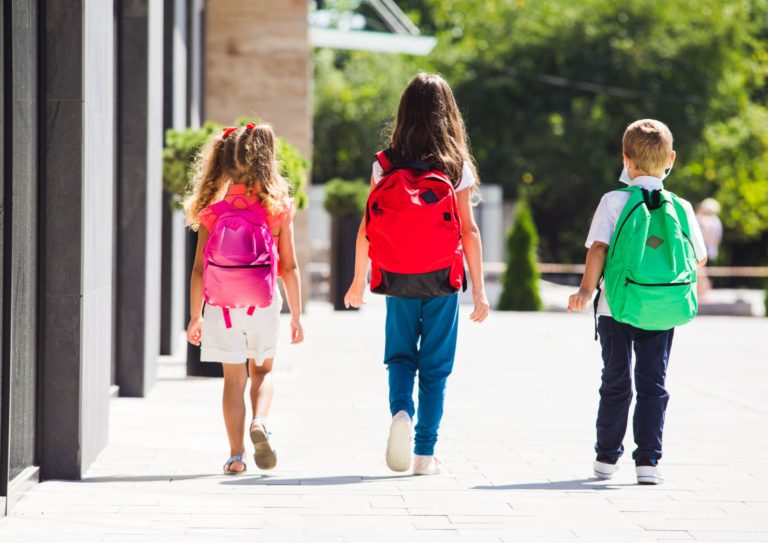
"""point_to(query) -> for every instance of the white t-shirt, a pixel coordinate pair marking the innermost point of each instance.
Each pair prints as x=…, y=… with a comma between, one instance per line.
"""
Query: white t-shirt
x=467, y=178
x=607, y=215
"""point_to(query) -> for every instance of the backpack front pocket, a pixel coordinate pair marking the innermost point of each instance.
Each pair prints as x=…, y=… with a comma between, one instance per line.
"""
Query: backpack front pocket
x=657, y=306
x=239, y=286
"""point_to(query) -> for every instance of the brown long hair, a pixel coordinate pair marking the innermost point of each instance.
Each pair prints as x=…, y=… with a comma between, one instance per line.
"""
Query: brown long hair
x=429, y=128
x=246, y=154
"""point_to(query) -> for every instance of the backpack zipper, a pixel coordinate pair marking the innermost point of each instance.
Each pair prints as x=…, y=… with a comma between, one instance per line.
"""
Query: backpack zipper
x=631, y=282
x=615, y=244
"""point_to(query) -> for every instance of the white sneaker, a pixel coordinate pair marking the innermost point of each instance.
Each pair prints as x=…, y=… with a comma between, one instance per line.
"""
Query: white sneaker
x=604, y=470
x=426, y=465
x=648, y=475
x=399, y=442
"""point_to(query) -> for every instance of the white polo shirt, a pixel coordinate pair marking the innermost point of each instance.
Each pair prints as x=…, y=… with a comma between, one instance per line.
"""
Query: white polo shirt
x=607, y=215
x=467, y=178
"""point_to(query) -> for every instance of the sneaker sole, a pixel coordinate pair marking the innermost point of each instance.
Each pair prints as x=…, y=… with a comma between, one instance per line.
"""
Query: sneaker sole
x=436, y=471
x=265, y=456
x=399, y=446
x=604, y=475
x=649, y=480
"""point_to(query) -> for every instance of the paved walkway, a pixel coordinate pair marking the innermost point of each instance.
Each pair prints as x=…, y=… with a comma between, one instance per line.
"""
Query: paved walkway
x=516, y=438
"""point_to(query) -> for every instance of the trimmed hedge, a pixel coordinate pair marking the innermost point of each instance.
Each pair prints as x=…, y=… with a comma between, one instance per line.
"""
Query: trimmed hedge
x=521, y=278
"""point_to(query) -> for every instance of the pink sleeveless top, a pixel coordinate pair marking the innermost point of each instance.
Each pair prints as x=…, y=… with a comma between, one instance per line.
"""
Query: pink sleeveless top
x=276, y=222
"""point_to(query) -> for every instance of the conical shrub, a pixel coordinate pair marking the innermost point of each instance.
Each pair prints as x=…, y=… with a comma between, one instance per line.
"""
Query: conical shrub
x=521, y=279
x=766, y=297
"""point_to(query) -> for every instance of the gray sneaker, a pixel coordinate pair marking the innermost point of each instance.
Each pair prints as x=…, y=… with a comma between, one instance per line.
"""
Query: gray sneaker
x=604, y=470
x=648, y=475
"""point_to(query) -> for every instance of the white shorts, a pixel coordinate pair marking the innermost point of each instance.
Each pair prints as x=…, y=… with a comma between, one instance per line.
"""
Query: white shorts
x=251, y=336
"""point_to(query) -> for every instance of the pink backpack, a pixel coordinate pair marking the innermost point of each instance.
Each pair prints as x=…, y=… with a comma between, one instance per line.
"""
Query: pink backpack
x=240, y=258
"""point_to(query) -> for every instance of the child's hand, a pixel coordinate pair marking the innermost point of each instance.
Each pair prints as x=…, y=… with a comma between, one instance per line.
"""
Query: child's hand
x=579, y=301
x=194, y=331
x=297, y=331
x=354, y=296
x=482, y=307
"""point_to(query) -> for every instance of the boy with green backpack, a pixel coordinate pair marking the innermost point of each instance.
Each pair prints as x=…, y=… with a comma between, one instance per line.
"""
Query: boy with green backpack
x=646, y=243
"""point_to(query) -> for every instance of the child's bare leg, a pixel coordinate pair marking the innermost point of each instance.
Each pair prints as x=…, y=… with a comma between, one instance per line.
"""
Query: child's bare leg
x=262, y=388
x=233, y=403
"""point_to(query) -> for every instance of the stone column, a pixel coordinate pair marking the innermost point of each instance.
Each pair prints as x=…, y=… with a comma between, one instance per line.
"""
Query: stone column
x=172, y=314
x=18, y=225
x=76, y=235
x=139, y=194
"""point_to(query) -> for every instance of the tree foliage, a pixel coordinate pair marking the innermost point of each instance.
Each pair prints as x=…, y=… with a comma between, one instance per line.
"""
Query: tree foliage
x=548, y=87
x=557, y=82
x=356, y=95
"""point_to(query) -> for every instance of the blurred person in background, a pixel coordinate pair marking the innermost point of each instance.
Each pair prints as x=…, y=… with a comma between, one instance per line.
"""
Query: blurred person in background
x=712, y=230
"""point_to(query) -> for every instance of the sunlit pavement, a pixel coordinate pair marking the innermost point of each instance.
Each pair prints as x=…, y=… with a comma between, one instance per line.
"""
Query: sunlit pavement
x=516, y=440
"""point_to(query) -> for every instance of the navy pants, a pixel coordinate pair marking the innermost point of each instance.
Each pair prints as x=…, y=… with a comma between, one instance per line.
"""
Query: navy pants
x=651, y=348
x=421, y=339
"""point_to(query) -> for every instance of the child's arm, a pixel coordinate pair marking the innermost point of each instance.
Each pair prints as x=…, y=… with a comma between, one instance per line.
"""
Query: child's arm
x=594, y=269
x=196, y=290
x=289, y=272
x=354, y=296
x=473, y=252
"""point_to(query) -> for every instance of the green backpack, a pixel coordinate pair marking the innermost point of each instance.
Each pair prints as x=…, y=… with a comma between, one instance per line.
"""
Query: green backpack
x=650, y=270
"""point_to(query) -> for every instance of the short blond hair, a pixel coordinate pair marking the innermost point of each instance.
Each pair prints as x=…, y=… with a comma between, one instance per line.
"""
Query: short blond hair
x=648, y=143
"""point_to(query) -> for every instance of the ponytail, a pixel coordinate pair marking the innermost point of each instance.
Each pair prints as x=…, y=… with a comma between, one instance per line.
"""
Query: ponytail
x=207, y=181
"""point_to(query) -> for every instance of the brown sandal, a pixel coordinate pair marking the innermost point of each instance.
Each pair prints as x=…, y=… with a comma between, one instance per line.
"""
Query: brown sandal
x=265, y=455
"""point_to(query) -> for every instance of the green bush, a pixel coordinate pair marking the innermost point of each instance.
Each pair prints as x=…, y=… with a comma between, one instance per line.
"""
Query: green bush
x=346, y=198
x=181, y=147
x=294, y=168
x=521, y=278
x=766, y=297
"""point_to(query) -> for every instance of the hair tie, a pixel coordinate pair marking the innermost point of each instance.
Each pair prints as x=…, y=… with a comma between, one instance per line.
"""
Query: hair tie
x=250, y=126
x=227, y=131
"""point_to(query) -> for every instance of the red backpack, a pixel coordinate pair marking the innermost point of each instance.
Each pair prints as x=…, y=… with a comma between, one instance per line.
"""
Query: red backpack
x=414, y=231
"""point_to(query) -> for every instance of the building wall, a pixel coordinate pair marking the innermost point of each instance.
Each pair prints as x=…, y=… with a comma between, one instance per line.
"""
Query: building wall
x=258, y=62
x=64, y=64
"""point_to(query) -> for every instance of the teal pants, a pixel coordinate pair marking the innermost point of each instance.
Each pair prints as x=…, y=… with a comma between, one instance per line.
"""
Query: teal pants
x=421, y=340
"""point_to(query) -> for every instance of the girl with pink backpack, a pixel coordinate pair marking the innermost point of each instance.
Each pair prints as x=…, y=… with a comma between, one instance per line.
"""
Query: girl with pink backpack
x=243, y=213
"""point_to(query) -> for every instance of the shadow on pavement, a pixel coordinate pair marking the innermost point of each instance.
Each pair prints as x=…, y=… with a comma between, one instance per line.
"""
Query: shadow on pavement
x=146, y=478
x=575, y=484
x=309, y=481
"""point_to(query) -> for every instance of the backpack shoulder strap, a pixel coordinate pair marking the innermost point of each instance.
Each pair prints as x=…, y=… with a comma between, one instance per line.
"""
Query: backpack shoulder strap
x=682, y=216
x=634, y=202
x=384, y=158
x=635, y=199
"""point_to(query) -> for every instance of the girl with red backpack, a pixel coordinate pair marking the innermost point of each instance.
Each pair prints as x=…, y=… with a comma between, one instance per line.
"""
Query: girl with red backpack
x=417, y=231
x=242, y=210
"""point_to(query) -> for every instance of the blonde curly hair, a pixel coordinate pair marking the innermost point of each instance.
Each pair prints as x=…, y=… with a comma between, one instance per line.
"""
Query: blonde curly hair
x=246, y=155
